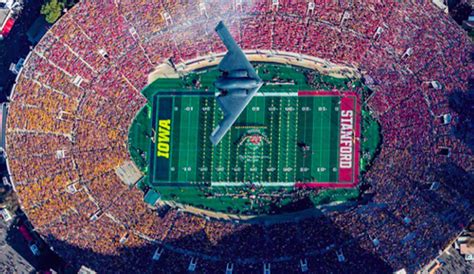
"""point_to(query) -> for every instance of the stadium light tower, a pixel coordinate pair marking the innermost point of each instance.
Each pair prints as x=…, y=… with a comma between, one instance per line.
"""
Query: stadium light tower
x=238, y=84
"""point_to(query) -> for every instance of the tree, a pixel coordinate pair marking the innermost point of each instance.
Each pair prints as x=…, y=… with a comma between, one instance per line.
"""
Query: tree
x=52, y=10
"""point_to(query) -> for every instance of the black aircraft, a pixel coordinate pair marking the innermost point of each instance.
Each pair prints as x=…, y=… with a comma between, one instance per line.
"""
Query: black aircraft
x=237, y=85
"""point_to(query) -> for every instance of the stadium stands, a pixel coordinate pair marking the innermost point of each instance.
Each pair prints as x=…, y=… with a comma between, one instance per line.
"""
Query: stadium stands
x=79, y=92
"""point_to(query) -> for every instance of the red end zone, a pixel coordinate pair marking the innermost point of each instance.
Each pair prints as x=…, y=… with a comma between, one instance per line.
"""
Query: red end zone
x=349, y=140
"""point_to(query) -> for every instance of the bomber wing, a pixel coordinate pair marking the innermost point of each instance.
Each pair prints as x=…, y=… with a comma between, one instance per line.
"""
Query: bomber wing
x=233, y=102
x=235, y=58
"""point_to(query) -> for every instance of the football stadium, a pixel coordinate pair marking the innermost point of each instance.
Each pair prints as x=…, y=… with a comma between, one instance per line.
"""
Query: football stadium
x=340, y=150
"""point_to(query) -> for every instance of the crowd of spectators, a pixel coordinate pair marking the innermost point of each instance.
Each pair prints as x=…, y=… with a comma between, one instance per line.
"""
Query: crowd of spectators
x=79, y=91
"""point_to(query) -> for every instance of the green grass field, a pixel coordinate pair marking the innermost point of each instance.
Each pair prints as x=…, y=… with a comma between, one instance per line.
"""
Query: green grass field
x=261, y=148
x=279, y=139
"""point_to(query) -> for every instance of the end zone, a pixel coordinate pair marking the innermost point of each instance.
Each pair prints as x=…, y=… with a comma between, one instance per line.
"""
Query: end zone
x=349, y=141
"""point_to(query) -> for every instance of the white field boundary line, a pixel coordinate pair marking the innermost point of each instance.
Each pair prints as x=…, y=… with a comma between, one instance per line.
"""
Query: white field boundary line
x=271, y=94
x=289, y=184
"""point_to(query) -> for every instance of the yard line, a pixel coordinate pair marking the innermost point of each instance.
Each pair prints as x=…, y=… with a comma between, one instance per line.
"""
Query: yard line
x=295, y=138
x=279, y=139
x=271, y=139
x=262, y=150
x=171, y=132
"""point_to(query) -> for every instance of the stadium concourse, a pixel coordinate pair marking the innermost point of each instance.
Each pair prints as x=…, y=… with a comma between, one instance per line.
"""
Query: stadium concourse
x=80, y=89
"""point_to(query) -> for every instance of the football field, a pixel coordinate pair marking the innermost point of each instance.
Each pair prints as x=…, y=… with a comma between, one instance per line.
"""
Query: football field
x=306, y=138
